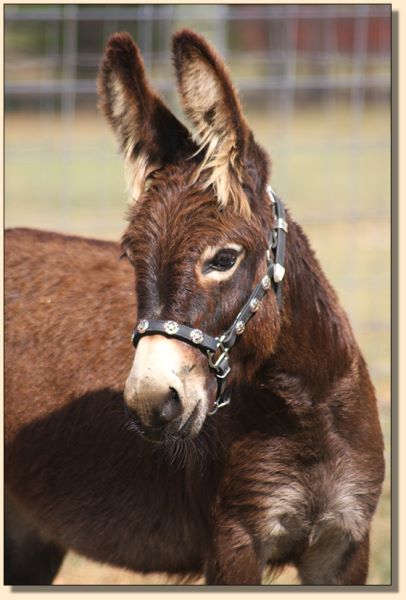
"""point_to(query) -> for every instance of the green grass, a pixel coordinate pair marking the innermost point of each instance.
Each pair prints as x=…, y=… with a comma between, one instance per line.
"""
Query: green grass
x=331, y=166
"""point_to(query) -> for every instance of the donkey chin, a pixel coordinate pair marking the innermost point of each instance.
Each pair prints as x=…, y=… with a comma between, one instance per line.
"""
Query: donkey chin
x=169, y=390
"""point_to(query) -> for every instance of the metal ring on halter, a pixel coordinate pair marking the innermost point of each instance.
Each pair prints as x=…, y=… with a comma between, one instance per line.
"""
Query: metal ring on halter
x=222, y=400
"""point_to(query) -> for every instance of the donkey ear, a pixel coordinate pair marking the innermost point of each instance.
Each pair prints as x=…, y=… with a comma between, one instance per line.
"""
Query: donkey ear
x=150, y=136
x=212, y=104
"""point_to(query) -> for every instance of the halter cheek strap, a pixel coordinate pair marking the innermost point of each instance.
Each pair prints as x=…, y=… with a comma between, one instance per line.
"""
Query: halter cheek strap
x=217, y=348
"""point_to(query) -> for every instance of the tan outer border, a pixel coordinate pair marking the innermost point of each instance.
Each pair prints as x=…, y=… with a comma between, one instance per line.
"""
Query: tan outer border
x=378, y=592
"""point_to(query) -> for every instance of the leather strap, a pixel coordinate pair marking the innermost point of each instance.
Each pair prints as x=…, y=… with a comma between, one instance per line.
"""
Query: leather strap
x=193, y=336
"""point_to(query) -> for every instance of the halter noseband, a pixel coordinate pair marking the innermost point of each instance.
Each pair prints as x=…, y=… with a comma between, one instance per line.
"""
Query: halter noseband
x=217, y=348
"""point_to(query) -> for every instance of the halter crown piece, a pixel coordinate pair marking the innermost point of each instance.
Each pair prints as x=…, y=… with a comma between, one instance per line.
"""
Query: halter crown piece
x=217, y=348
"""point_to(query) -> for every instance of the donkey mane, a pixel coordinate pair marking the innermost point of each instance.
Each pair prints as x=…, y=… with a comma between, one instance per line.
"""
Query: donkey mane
x=312, y=307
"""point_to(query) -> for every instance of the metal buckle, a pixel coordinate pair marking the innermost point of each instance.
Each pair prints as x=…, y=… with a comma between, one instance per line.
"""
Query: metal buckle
x=220, y=365
x=280, y=224
x=222, y=368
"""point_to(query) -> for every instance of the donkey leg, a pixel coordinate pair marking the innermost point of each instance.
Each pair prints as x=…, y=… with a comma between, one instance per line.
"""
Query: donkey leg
x=335, y=560
x=28, y=559
x=233, y=559
x=354, y=568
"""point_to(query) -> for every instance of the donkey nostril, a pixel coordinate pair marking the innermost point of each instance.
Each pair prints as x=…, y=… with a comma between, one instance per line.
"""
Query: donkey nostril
x=175, y=395
x=172, y=408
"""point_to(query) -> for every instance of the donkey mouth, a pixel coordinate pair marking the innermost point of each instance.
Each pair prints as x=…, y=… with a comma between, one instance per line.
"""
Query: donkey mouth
x=166, y=434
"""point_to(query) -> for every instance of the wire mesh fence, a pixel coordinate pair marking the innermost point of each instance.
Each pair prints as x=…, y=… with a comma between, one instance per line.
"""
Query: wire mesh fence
x=283, y=59
x=315, y=86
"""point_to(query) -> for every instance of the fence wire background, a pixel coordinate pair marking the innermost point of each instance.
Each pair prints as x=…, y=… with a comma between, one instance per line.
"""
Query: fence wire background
x=315, y=85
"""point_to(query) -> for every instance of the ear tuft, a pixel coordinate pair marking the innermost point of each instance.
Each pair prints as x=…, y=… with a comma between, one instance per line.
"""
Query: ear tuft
x=211, y=102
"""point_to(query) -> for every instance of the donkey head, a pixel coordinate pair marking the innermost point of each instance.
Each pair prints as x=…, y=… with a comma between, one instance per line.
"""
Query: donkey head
x=199, y=221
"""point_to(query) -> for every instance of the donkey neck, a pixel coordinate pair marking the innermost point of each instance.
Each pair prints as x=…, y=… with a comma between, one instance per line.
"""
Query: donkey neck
x=316, y=342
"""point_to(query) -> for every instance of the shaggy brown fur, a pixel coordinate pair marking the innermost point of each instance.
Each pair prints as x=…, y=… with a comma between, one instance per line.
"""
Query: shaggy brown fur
x=289, y=472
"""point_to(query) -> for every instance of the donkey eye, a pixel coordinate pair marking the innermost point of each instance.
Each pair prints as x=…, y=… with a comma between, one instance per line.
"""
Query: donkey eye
x=219, y=263
x=223, y=260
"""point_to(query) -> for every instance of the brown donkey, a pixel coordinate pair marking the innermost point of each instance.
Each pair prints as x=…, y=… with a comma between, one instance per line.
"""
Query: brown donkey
x=244, y=435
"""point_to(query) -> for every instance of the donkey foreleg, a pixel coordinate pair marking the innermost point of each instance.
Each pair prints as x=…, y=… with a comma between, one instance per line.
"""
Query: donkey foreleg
x=335, y=560
x=233, y=559
x=28, y=558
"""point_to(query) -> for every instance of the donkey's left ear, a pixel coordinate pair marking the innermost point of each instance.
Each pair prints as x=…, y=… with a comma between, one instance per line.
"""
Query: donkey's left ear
x=211, y=102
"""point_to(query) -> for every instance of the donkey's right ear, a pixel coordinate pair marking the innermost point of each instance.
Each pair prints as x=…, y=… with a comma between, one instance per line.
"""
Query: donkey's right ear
x=150, y=136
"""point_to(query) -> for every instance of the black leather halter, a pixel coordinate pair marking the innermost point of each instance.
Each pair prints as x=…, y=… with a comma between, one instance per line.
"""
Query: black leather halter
x=217, y=348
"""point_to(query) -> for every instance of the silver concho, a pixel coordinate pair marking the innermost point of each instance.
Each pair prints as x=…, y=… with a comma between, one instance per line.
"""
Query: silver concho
x=239, y=327
x=142, y=326
x=196, y=336
x=171, y=327
x=278, y=272
x=266, y=282
x=254, y=305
